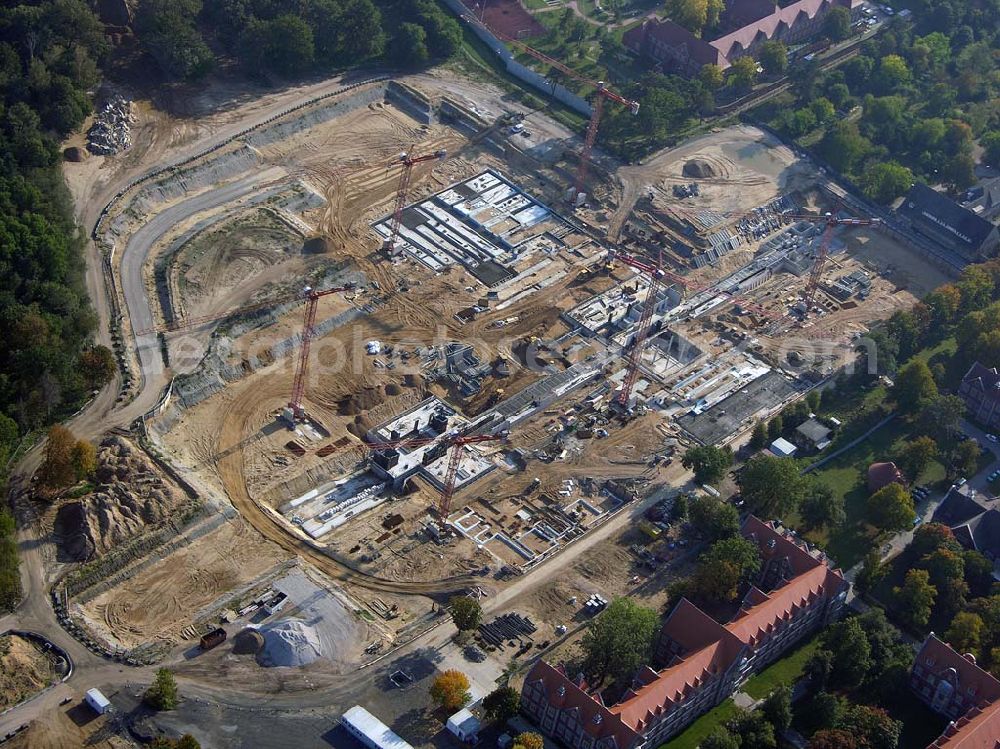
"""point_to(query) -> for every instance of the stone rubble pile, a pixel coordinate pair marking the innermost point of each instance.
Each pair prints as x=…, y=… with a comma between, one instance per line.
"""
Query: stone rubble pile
x=110, y=133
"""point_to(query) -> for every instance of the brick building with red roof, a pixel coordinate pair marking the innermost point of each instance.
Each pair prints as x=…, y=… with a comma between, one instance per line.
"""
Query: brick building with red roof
x=701, y=661
x=953, y=685
x=753, y=22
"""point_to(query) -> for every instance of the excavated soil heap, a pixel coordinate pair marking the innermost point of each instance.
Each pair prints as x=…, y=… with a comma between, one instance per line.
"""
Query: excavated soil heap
x=248, y=642
x=357, y=403
x=130, y=497
x=74, y=154
x=698, y=168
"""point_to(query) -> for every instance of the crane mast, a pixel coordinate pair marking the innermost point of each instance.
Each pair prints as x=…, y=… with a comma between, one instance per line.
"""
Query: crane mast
x=402, y=191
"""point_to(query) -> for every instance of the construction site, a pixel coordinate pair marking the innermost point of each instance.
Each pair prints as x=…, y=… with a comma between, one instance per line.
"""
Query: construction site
x=411, y=339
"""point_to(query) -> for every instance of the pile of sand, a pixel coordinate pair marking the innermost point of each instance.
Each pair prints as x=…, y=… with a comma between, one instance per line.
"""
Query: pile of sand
x=698, y=168
x=130, y=497
x=289, y=643
x=75, y=154
x=24, y=670
x=356, y=403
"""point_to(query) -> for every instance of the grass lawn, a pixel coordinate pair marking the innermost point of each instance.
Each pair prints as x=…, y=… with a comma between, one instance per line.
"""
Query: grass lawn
x=701, y=728
x=847, y=477
x=535, y=4
x=788, y=670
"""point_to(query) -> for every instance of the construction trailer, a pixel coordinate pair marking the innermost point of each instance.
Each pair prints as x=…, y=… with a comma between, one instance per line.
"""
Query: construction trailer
x=370, y=731
x=97, y=701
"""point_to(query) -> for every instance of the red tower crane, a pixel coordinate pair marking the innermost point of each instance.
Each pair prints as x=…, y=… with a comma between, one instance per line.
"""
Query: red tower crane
x=633, y=356
x=295, y=410
x=408, y=161
x=597, y=110
x=455, y=442
x=816, y=274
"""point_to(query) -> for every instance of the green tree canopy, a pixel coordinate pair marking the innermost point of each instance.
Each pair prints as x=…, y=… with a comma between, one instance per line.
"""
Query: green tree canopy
x=883, y=182
x=915, y=455
x=466, y=612
x=914, y=387
x=620, y=639
x=837, y=24
x=162, y=694
x=915, y=598
x=715, y=518
x=821, y=507
x=891, y=508
x=501, y=704
x=708, y=462
x=773, y=57
x=772, y=486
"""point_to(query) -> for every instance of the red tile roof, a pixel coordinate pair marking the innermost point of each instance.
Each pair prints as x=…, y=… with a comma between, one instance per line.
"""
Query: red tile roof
x=881, y=475
x=768, y=26
x=709, y=648
x=979, y=728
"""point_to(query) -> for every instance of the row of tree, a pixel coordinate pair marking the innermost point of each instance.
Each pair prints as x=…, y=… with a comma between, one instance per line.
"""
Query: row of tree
x=292, y=38
x=924, y=93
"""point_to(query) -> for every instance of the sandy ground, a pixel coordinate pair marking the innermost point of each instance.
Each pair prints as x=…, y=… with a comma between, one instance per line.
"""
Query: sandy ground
x=69, y=726
x=160, y=601
x=24, y=670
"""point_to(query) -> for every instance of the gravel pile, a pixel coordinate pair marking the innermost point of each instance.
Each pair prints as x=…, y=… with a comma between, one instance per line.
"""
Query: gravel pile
x=111, y=131
x=289, y=643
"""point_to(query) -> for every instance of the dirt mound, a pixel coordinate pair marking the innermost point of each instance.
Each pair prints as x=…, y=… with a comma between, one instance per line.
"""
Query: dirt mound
x=393, y=390
x=698, y=168
x=413, y=381
x=130, y=497
x=316, y=246
x=248, y=642
x=357, y=403
x=24, y=670
x=74, y=154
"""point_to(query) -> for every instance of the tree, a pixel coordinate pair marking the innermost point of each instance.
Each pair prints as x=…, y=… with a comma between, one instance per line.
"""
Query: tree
x=991, y=148
x=83, y=456
x=823, y=110
x=284, y=45
x=872, y=572
x=914, y=387
x=775, y=427
x=57, y=469
x=466, y=612
x=930, y=537
x=168, y=32
x=890, y=509
x=708, y=462
x=410, y=46
x=915, y=455
x=892, y=72
x=501, y=704
x=834, y=738
x=978, y=572
x=691, y=14
x=529, y=740
x=620, y=640
x=851, y=653
x=915, y=598
x=946, y=568
x=772, y=486
x=715, y=518
x=873, y=726
x=743, y=73
x=726, y=566
x=837, y=24
x=940, y=419
x=187, y=741
x=844, y=146
x=758, y=438
x=450, y=690
x=711, y=76
x=97, y=365
x=720, y=738
x=883, y=182
x=778, y=708
x=773, y=57
x=965, y=633
x=679, y=512
x=822, y=507
x=162, y=694
x=965, y=458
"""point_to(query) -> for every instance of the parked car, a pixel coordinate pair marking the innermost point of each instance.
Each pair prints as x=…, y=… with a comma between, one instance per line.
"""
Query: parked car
x=992, y=437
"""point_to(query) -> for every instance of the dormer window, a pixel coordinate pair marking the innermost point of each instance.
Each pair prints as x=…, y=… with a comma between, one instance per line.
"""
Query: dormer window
x=930, y=661
x=561, y=690
x=598, y=718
